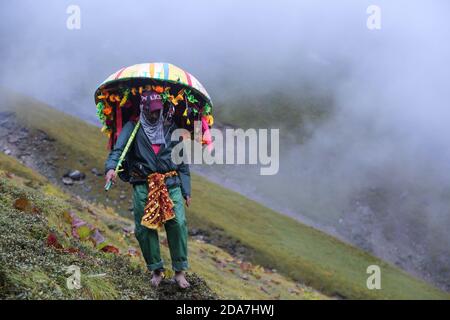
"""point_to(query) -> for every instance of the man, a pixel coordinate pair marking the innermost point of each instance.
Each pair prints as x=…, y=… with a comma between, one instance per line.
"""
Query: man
x=149, y=168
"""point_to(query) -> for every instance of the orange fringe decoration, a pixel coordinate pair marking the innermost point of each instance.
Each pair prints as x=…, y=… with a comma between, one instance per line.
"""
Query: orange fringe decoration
x=159, y=207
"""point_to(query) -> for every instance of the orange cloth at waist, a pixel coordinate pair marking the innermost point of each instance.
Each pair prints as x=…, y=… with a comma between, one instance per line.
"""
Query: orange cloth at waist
x=159, y=207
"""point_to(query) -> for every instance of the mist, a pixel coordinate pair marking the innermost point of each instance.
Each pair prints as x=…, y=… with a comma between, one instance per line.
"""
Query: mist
x=372, y=169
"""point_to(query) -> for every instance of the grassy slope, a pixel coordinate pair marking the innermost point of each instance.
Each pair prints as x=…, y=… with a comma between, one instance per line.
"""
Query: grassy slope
x=30, y=269
x=298, y=251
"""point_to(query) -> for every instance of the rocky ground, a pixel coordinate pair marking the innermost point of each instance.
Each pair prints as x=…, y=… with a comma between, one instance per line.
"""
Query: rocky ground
x=35, y=149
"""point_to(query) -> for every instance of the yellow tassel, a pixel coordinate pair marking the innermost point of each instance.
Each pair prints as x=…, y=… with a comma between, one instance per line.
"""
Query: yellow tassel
x=176, y=99
x=210, y=120
x=124, y=100
x=106, y=131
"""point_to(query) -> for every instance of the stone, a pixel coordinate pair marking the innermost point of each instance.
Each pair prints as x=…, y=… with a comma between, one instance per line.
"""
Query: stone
x=13, y=139
x=194, y=231
x=67, y=181
x=76, y=175
x=96, y=172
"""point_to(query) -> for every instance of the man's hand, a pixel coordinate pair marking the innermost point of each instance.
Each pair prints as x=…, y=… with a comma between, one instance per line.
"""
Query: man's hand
x=111, y=175
x=188, y=201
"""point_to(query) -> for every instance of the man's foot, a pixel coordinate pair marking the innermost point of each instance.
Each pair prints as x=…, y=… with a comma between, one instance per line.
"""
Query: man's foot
x=181, y=280
x=157, y=276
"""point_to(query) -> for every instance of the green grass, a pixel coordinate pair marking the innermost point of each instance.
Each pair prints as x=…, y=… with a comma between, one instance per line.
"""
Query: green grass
x=22, y=239
x=297, y=251
x=10, y=164
x=30, y=269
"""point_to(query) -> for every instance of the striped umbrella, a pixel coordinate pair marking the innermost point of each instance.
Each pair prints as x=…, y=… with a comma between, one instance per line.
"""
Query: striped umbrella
x=117, y=98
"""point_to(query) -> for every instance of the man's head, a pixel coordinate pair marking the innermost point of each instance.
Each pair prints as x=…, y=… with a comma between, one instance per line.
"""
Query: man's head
x=151, y=105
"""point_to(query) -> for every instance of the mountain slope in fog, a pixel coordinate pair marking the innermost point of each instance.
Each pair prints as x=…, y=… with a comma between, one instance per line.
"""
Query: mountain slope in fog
x=267, y=238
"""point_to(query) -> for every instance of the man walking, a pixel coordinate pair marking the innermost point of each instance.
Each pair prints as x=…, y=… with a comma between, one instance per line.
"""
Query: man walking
x=159, y=186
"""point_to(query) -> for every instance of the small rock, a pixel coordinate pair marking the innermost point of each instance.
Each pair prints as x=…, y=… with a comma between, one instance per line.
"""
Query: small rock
x=96, y=172
x=13, y=139
x=128, y=230
x=49, y=139
x=193, y=231
x=76, y=175
x=244, y=276
x=122, y=196
x=200, y=238
x=7, y=152
x=67, y=181
x=293, y=291
x=133, y=252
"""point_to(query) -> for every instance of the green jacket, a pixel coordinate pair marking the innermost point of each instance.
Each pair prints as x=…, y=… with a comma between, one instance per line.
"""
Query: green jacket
x=141, y=160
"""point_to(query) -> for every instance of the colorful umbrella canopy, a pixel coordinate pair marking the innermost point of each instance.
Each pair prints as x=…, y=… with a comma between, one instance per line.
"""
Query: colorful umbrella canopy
x=118, y=97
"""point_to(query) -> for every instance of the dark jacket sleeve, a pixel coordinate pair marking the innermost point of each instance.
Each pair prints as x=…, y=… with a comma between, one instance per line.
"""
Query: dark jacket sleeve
x=114, y=155
x=185, y=177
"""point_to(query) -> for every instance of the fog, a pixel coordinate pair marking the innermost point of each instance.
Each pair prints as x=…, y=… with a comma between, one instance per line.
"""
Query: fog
x=374, y=171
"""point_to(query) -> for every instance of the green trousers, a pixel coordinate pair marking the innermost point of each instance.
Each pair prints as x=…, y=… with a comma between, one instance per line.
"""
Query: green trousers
x=176, y=230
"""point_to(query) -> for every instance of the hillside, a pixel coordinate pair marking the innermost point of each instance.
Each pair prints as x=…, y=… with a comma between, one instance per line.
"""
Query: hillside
x=33, y=266
x=36, y=247
x=232, y=237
